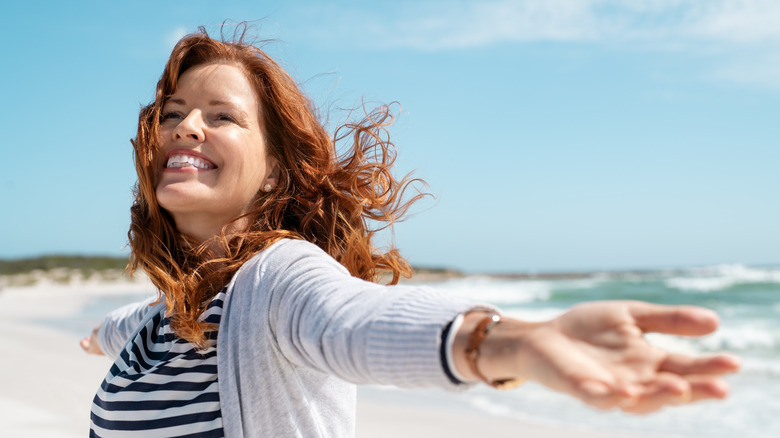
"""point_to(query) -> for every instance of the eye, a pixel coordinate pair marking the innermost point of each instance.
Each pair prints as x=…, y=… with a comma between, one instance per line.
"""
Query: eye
x=225, y=117
x=168, y=115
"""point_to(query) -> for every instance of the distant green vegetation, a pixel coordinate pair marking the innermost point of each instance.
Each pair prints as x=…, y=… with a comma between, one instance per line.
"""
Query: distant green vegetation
x=65, y=269
x=48, y=263
x=91, y=263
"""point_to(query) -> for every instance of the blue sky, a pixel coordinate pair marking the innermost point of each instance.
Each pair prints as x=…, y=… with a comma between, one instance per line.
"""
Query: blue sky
x=555, y=134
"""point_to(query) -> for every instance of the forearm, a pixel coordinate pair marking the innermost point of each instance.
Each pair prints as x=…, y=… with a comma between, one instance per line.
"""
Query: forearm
x=118, y=326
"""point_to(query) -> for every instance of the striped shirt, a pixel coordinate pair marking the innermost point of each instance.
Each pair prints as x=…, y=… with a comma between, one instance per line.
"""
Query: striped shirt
x=161, y=385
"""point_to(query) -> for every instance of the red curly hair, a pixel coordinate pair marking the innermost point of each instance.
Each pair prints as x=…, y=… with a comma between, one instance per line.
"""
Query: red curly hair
x=322, y=197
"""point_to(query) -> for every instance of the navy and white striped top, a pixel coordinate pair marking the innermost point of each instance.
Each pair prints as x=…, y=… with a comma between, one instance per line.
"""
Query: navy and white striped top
x=161, y=385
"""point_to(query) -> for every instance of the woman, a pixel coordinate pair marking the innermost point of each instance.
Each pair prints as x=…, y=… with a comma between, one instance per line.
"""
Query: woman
x=256, y=235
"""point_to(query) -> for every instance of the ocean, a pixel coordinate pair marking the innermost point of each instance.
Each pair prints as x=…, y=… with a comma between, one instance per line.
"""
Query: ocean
x=747, y=300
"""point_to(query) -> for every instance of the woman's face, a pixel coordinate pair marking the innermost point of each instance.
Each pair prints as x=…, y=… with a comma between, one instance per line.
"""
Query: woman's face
x=215, y=156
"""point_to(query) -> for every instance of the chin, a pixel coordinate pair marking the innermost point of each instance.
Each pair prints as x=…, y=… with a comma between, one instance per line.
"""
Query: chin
x=174, y=197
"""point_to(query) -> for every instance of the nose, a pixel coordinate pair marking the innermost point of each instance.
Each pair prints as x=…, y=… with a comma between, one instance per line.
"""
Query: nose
x=191, y=128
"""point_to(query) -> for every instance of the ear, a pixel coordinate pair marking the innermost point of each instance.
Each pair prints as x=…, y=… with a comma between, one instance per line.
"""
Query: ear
x=274, y=172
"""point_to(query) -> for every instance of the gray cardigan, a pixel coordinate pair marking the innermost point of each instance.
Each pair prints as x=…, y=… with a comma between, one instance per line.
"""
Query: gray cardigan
x=297, y=332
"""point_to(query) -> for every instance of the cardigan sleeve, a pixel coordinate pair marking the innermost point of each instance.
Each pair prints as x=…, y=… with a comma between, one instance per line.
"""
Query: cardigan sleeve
x=120, y=324
x=323, y=318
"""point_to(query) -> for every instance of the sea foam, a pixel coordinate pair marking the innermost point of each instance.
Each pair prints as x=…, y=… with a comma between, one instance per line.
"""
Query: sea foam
x=498, y=291
x=721, y=277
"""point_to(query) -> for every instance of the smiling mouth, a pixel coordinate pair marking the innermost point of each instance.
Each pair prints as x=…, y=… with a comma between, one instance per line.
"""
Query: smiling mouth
x=181, y=160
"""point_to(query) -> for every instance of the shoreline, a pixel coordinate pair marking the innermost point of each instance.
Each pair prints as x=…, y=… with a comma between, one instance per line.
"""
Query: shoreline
x=64, y=277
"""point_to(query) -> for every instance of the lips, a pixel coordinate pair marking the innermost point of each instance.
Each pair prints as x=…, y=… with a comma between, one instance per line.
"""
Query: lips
x=179, y=160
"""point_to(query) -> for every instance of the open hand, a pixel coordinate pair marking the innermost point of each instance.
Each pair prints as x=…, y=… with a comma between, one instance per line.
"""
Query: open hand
x=597, y=353
x=90, y=343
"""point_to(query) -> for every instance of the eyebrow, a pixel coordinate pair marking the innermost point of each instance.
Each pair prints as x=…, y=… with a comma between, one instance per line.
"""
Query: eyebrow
x=221, y=102
x=211, y=102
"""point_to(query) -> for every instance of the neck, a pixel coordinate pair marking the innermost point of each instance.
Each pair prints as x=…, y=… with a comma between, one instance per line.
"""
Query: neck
x=209, y=231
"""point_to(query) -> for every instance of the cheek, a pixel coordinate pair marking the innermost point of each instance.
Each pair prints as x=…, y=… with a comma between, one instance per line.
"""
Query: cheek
x=247, y=178
x=256, y=173
x=156, y=160
x=256, y=160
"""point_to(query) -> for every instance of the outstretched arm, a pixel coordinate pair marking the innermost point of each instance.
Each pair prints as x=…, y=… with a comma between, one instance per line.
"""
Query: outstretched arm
x=597, y=353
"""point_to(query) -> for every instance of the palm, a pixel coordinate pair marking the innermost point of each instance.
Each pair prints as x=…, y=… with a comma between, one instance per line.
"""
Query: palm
x=597, y=352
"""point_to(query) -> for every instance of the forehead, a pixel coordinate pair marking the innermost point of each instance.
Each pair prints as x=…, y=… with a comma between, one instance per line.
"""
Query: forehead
x=221, y=82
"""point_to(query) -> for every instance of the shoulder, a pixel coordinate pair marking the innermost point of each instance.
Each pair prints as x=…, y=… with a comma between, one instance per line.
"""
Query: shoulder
x=287, y=261
x=289, y=254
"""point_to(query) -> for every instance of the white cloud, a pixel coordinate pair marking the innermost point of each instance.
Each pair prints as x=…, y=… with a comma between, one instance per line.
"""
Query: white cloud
x=478, y=24
x=724, y=29
x=452, y=25
x=174, y=36
x=739, y=21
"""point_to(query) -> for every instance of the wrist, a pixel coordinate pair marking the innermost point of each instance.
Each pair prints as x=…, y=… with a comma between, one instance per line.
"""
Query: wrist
x=503, y=352
x=490, y=348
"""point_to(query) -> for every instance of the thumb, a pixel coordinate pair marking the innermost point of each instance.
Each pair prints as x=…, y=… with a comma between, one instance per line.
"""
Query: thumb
x=676, y=320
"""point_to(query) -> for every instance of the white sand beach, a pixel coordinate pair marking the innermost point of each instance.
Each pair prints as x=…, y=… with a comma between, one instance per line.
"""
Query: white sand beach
x=47, y=382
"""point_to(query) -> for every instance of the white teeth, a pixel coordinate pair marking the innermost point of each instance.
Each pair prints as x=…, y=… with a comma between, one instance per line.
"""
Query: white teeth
x=181, y=160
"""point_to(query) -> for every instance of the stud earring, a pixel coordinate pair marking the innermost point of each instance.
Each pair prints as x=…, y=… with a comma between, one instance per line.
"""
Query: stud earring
x=267, y=188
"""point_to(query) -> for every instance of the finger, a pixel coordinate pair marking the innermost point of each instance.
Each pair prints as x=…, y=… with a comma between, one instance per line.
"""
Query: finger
x=601, y=395
x=707, y=387
x=85, y=344
x=683, y=364
x=580, y=377
x=667, y=389
x=678, y=320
